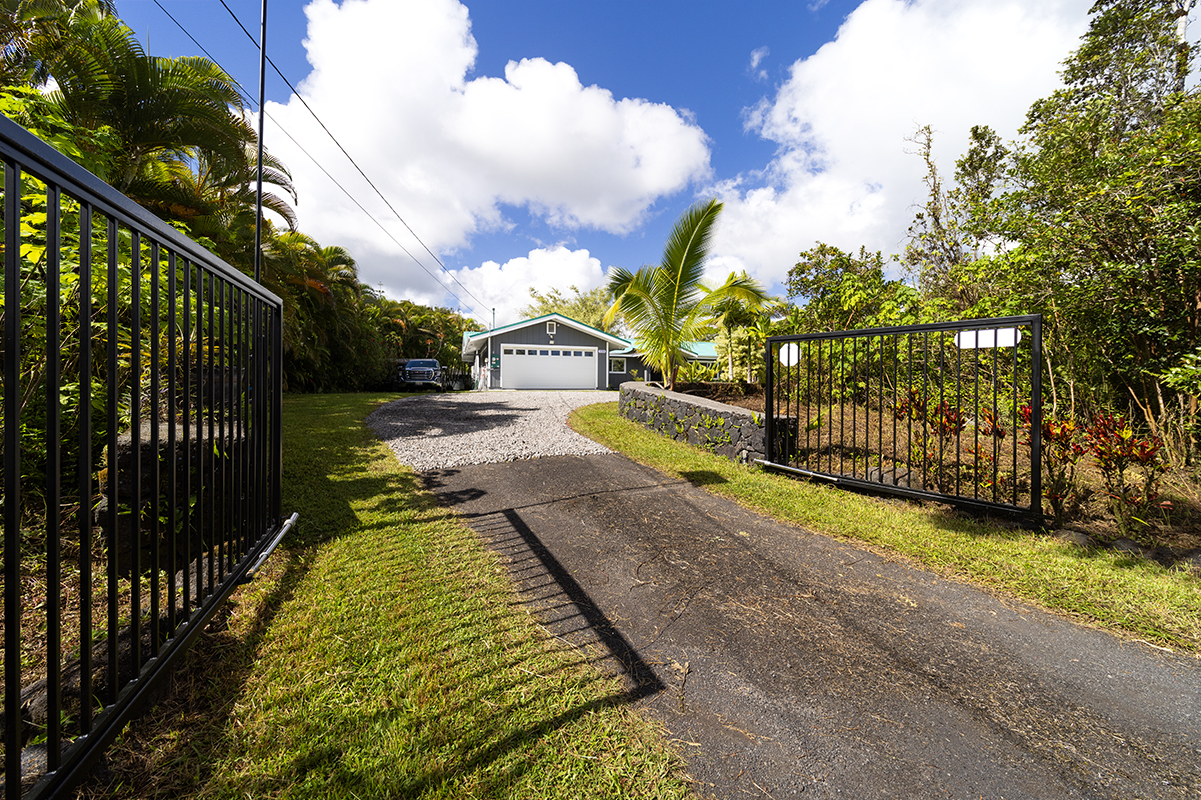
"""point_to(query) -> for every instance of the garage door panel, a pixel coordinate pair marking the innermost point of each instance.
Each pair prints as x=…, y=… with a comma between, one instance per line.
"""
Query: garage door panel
x=547, y=367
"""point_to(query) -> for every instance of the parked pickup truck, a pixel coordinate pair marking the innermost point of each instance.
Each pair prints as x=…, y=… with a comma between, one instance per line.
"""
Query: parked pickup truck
x=421, y=371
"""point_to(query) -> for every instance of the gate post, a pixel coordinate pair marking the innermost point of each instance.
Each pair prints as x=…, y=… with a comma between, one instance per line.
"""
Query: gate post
x=1036, y=419
x=769, y=406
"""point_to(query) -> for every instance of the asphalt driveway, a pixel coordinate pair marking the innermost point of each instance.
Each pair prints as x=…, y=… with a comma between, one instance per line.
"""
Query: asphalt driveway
x=784, y=663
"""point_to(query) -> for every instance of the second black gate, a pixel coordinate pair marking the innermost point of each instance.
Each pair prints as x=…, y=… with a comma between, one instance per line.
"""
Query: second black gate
x=949, y=411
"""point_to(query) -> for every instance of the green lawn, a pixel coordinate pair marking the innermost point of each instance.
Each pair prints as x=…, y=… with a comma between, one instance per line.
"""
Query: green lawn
x=1125, y=594
x=383, y=653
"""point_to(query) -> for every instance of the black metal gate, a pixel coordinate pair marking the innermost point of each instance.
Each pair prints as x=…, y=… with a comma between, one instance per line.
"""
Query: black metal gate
x=950, y=411
x=141, y=462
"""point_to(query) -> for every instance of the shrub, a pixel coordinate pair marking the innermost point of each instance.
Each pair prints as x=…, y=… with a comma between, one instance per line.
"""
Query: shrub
x=1117, y=450
x=941, y=424
x=1061, y=451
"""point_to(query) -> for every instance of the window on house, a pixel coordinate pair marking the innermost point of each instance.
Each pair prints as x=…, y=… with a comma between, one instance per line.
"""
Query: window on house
x=508, y=351
x=550, y=328
x=521, y=352
x=617, y=365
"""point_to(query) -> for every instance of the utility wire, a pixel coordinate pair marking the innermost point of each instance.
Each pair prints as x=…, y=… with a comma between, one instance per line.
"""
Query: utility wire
x=352, y=199
x=251, y=101
x=349, y=158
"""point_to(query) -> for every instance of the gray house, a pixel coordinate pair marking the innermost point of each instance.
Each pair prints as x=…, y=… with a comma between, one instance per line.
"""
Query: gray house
x=547, y=352
x=558, y=352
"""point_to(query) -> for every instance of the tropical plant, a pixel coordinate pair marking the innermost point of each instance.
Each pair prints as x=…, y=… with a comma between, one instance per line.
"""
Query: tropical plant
x=1061, y=451
x=844, y=291
x=667, y=304
x=733, y=312
x=1100, y=207
x=1118, y=451
x=217, y=202
x=587, y=307
x=698, y=372
x=171, y=134
x=32, y=29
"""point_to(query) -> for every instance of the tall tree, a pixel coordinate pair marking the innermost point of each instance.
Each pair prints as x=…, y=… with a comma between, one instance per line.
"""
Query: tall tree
x=586, y=307
x=174, y=134
x=1131, y=65
x=32, y=30
x=1104, y=205
x=843, y=291
x=947, y=237
x=165, y=111
x=667, y=304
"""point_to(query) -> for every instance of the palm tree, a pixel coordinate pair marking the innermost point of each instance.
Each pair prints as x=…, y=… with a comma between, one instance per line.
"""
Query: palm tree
x=757, y=334
x=175, y=139
x=31, y=31
x=734, y=312
x=666, y=304
x=217, y=201
x=165, y=111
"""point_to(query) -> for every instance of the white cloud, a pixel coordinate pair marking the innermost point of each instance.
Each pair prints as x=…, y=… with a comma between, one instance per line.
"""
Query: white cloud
x=757, y=56
x=393, y=80
x=456, y=151
x=841, y=174
x=505, y=287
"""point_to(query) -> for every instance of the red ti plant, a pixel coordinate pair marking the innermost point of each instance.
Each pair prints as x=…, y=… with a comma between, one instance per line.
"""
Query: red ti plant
x=941, y=424
x=989, y=426
x=1061, y=451
x=1116, y=449
x=984, y=456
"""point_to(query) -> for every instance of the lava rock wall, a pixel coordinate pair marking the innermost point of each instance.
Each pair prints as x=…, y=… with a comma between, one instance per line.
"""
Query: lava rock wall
x=731, y=432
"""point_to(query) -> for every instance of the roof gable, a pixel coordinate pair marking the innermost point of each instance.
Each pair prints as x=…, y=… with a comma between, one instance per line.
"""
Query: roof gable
x=473, y=341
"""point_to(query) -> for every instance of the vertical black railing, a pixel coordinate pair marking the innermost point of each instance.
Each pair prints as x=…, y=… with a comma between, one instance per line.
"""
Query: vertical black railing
x=141, y=463
x=924, y=411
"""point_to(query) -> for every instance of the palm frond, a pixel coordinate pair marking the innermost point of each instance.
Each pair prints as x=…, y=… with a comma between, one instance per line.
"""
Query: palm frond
x=662, y=304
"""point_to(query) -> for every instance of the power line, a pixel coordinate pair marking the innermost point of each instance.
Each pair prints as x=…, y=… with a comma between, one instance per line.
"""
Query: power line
x=352, y=199
x=349, y=158
x=251, y=101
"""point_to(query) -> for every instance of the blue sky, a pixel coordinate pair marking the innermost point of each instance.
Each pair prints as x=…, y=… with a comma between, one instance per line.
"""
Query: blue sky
x=537, y=143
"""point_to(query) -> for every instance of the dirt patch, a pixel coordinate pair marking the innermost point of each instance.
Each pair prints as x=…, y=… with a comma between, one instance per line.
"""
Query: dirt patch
x=743, y=395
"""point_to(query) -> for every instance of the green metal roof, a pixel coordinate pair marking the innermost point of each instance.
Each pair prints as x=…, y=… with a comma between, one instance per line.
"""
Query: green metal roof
x=704, y=351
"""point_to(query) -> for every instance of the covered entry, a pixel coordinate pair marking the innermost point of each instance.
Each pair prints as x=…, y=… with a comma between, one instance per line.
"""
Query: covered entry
x=547, y=367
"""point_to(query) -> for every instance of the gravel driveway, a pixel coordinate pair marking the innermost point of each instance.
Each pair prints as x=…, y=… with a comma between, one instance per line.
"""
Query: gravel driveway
x=439, y=431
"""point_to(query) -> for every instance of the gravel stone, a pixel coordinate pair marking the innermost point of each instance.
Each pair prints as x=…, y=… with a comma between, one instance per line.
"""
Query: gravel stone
x=440, y=431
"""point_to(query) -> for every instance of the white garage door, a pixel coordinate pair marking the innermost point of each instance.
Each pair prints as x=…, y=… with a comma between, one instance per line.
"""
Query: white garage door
x=548, y=367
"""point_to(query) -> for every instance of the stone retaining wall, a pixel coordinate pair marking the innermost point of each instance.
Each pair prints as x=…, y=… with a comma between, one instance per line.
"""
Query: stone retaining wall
x=729, y=431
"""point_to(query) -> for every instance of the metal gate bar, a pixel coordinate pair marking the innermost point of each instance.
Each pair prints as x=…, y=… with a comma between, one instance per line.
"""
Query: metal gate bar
x=909, y=395
x=141, y=465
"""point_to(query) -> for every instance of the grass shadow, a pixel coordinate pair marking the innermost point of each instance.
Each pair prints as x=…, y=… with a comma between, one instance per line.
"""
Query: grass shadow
x=703, y=477
x=323, y=480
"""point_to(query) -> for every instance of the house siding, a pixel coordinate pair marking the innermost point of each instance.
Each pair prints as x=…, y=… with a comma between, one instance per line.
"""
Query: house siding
x=642, y=372
x=565, y=336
